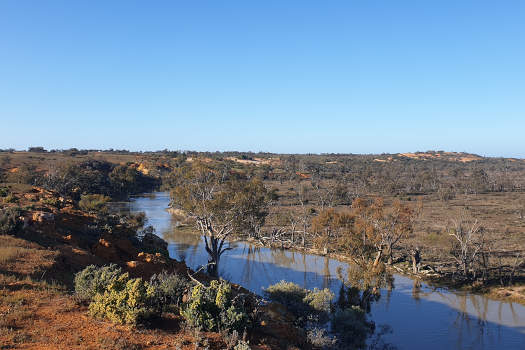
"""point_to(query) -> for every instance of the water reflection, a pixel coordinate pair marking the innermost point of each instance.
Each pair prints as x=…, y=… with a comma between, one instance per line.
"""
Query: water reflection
x=420, y=316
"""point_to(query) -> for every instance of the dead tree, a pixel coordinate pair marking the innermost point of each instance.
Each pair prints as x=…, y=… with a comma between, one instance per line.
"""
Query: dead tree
x=468, y=237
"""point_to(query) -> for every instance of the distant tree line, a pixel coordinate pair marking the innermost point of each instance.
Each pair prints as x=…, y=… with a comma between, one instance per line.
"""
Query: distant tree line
x=87, y=177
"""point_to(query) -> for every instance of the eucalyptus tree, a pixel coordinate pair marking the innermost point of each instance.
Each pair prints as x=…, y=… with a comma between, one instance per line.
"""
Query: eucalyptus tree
x=221, y=202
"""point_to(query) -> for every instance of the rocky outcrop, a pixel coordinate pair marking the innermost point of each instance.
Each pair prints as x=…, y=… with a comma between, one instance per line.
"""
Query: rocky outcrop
x=41, y=216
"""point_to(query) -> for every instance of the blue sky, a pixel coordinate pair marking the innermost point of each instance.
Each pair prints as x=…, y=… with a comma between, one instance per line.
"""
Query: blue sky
x=280, y=76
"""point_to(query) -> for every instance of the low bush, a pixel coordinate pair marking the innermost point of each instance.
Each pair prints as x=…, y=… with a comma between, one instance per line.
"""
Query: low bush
x=4, y=191
x=305, y=304
x=94, y=280
x=349, y=327
x=125, y=301
x=54, y=202
x=215, y=308
x=10, y=220
x=93, y=202
x=10, y=198
x=169, y=290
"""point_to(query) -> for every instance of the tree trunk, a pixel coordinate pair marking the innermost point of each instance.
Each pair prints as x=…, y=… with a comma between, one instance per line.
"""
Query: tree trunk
x=213, y=249
x=416, y=258
x=378, y=257
x=465, y=269
x=390, y=255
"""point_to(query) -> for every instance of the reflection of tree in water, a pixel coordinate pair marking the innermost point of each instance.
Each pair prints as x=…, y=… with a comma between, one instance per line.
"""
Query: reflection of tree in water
x=416, y=290
x=472, y=331
x=362, y=286
x=281, y=258
x=187, y=241
x=251, y=254
x=254, y=257
x=182, y=235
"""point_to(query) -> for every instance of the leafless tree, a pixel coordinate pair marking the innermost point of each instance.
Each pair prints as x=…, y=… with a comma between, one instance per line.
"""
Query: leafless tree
x=468, y=237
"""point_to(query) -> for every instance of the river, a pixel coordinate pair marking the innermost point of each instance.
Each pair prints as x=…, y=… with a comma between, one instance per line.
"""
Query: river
x=420, y=316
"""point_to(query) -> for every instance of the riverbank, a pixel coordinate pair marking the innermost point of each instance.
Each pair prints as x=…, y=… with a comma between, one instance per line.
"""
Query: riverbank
x=427, y=273
x=432, y=269
x=51, y=240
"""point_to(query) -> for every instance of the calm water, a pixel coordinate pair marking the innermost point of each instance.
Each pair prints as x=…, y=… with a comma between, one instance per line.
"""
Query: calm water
x=421, y=317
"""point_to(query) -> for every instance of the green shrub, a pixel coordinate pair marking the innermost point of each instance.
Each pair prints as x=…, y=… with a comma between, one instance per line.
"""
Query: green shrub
x=9, y=220
x=93, y=202
x=289, y=294
x=214, y=308
x=304, y=304
x=10, y=198
x=125, y=301
x=169, y=290
x=94, y=280
x=319, y=300
x=4, y=191
x=54, y=202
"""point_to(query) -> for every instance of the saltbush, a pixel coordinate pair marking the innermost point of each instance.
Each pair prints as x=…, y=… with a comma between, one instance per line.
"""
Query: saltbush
x=94, y=280
x=305, y=304
x=313, y=308
x=4, y=191
x=9, y=220
x=214, y=308
x=10, y=198
x=169, y=290
x=54, y=202
x=125, y=301
x=93, y=202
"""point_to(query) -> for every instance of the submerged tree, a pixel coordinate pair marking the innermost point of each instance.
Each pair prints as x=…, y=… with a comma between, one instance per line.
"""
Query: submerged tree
x=221, y=202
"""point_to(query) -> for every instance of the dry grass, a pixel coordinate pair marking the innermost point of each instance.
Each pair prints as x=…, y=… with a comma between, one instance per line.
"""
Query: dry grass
x=12, y=248
x=10, y=253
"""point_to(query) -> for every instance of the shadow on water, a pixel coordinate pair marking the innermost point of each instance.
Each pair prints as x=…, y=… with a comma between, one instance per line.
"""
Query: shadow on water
x=420, y=316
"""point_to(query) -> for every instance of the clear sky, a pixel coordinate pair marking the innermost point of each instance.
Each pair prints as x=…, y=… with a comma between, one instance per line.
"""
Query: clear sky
x=279, y=76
